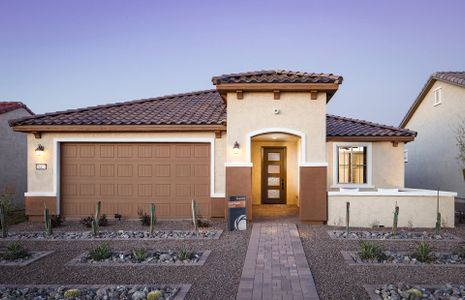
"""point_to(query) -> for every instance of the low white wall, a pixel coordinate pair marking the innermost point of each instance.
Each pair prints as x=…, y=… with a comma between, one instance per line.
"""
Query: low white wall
x=417, y=208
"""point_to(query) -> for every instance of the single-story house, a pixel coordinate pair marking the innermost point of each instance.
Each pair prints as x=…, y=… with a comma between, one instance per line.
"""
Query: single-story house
x=13, y=153
x=264, y=135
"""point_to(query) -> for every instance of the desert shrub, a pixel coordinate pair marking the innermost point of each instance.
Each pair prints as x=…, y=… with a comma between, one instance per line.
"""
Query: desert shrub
x=203, y=224
x=72, y=293
x=15, y=251
x=57, y=220
x=100, y=252
x=423, y=252
x=87, y=221
x=154, y=295
x=143, y=217
x=185, y=254
x=369, y=250
x=140, y=254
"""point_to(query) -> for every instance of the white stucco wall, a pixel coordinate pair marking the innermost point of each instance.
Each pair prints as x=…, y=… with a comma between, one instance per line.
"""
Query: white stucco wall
x=432, y=156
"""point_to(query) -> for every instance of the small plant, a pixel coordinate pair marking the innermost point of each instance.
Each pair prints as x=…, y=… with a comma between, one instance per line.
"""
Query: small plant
x=423, y=252
x=194, y=216
x=87, y=221
x=57, y=220
x=15, y=251
x=154, y=295
x=185, y=254
x=396, y=219
x=140, y=254
x=347, y=217
x=100, y=252
x=72, y=293
x=203, y=224
x=47, y=222
x=118, y=216
x=143, y=217
x=369, y=251
x=3, y=221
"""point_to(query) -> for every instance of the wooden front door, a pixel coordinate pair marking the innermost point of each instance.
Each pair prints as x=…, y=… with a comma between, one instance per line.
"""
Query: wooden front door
x=274, y=175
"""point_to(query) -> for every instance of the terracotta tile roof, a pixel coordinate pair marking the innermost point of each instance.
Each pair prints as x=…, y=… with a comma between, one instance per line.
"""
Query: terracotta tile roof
x=276, y=76
x=13, y=105
x=344, y=127
x=457, y=78
x=195, y=108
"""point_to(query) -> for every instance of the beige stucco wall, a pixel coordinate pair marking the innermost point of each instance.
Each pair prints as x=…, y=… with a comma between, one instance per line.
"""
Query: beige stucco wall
x=42, y=181
x=367, y=211
x=291, y=170
x=432, y=156
x=387, y=166
x=297, y=111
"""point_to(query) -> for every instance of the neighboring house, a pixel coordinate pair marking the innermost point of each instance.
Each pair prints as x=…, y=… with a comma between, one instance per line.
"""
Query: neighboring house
x=264, y=135
x=436, y=115
x=13, y=153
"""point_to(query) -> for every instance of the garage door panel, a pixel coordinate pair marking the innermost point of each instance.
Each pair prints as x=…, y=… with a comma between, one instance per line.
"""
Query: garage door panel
x=127, y=177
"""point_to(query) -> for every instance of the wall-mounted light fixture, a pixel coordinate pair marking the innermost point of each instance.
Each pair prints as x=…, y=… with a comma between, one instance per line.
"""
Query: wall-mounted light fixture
x=236, y=147
x=39, y=150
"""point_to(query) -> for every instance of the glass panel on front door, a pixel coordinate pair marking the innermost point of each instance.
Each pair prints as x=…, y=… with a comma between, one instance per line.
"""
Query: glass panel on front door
x=274, y=175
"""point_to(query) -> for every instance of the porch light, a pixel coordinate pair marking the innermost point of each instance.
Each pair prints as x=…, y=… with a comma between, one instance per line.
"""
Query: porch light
x=236, y=148
x=39, y=150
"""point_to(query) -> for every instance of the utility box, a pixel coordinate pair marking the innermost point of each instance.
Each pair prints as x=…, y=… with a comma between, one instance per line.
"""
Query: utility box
x=236, y=213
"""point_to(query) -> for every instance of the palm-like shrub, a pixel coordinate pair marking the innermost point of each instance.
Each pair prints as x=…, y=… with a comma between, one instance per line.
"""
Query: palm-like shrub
x=100, y=252
x=423, y=252
x=369, y=251
x=140, y=254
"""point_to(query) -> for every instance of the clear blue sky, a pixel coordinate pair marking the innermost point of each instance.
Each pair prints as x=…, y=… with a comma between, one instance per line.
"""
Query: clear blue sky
x=56, y=55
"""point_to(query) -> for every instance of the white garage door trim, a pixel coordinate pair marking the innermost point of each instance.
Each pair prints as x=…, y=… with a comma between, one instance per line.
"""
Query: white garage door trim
x=56, y=149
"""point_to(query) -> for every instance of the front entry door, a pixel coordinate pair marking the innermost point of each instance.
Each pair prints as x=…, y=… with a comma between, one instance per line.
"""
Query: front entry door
x=274, y=175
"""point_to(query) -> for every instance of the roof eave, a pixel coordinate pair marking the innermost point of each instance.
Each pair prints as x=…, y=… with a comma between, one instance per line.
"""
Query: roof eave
x=119, y=128
x=404, y=139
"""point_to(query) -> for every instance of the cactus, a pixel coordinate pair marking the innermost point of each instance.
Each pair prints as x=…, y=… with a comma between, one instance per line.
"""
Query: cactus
x=152, y=218
x=47, y=222
x=3, y=212
x=396, y=219
x=194, y=216
x=347, y=217
x=438, y=217
x=95, y=222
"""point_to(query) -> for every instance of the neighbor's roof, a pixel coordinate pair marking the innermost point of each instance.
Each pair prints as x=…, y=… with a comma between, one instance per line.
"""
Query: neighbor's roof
x=276, y=76
x=457, y=78
x=13, y=105
x=195, y=108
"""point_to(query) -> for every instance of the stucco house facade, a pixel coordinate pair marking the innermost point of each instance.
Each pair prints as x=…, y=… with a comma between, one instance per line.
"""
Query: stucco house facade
x=436, y=115
x=264, y=135
x=13, y=152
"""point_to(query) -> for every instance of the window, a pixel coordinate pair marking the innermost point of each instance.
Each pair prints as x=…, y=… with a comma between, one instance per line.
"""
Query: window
x=437, y=96
x=352, y=164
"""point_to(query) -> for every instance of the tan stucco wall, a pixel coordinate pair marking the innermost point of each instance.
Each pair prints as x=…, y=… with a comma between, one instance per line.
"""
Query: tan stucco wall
x=432, y=156
x=387, y=164
x=367, y=211
x=42, y=181
x=256, y=111
x=291, y=170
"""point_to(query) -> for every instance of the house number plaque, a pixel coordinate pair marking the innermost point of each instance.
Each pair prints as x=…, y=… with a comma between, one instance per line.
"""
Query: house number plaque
x=41, y=167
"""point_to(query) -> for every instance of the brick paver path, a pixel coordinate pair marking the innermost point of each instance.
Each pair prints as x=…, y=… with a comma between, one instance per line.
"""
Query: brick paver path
x=275, y=266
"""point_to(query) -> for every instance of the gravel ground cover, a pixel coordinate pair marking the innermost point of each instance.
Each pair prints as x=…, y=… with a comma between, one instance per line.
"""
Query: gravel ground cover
x=154, y=257
x=335, y=279
x=218, y=278
x=388, y=235
x=407, y=258
x=134, y=292
x=408, y=291
x=24, y=261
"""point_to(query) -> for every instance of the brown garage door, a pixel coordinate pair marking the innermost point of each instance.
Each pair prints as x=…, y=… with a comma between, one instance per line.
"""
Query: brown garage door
x=126, y=177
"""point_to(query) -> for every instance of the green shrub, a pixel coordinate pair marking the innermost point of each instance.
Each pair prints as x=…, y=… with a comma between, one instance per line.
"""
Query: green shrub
x=72, y=293
x=100, y=252
x=15, y=251
x=140, y=254
x=154, y=295
x=369, y=250
x=423, y=252
x=143, y=217
x=185, y=254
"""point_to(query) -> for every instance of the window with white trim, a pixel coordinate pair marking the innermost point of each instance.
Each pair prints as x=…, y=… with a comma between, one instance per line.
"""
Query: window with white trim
x=352, y=165
x=437, y=94
x=405, y=155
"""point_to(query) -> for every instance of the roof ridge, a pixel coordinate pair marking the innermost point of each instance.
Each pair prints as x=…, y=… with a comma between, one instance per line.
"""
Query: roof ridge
x=116, y=104
x=373, y=124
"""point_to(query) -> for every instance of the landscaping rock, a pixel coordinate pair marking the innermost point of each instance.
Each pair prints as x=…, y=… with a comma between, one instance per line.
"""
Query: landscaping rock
x=405, y=291
x=387, y=235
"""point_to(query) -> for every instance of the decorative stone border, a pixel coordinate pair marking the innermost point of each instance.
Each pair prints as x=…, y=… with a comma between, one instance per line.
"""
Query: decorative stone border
x=34, y=256
x=370, y=288
x=451, y=237
x=348, y=258
x=179, y=295
x=76, y=262
x=112, y=236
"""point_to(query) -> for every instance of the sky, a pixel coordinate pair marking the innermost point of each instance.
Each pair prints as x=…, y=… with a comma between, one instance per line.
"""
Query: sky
x=57, y=55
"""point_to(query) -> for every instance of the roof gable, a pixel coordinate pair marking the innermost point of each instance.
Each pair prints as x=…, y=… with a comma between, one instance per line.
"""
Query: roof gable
x=7, y=106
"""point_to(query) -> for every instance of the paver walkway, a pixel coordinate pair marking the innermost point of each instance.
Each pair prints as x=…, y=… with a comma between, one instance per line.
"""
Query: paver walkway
x=275, y=266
